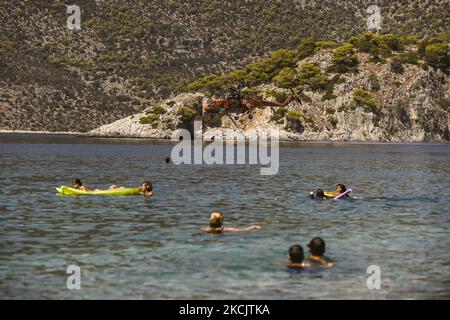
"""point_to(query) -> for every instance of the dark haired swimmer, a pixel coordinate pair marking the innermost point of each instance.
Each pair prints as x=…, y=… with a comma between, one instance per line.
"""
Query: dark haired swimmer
x=318, y=194
x=146, y=188
x=76, y=184
x=317, y=250
x=216, y=225
x=340, y=188
x=296, y=257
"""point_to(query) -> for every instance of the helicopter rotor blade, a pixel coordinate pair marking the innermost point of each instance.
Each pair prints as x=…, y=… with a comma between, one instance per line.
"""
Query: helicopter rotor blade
x=295, y=96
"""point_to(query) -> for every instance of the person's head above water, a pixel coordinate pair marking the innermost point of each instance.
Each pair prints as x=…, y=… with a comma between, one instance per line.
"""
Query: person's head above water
x=317, y=247
x=216, y=220
x=296, y=254
x=77, y=183
x=319, y=194
x=146, y=186
x=340, y=188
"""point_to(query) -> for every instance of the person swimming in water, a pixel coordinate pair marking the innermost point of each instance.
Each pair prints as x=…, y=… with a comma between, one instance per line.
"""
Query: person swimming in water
x=216, y=224
x=146, y=188
x=296, y=257
x=76, y=184
x=318, y=194
x=316, y=253
x=340, y=188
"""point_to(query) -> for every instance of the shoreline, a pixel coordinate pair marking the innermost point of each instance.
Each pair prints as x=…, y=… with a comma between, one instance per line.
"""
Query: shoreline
x=87, y=135
x=43, y=132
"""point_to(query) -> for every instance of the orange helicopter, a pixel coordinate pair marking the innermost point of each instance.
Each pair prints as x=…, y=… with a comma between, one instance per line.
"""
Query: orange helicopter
x=236, y=105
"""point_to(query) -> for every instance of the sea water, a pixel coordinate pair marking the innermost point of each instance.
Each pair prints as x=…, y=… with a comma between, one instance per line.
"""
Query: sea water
x=398, y=219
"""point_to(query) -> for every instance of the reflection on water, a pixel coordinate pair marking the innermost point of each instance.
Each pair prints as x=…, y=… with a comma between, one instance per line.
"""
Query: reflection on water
x=130, y=247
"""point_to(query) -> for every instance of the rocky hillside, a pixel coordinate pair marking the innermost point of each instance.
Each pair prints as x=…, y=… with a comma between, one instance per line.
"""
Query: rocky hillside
x=371, y=88
x=130, y=54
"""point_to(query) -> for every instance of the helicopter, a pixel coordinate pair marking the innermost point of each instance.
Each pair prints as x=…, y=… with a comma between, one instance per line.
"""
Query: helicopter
x=236, y=104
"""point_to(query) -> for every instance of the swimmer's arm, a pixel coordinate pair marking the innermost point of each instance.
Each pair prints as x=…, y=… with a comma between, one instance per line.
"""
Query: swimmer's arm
x=326, y=263
x=207, y=229
x=242, y=229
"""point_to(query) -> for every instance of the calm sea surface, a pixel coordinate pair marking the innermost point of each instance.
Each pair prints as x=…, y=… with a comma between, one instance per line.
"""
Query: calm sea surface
x=135, y=248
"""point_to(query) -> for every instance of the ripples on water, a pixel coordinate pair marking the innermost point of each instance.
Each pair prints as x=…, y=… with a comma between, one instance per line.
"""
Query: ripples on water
x=130, y=247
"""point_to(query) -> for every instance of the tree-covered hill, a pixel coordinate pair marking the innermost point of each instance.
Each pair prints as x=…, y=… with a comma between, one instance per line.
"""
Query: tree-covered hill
x=131, y=53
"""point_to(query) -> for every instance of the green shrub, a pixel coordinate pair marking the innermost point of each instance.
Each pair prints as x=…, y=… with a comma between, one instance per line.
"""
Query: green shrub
x=326, y=44
x=392, y=41
x=296, y=119
x=266, y=69
x=57, y=5
x=344, y=59
x=306, y=48
x=366, y=42
x=428, y=41
x=307, y=71
x=187, y=113
x=328, y=94
x=293, y=116
x=363, y=98
x=444, y=103
x=6, y=43
x=278, y=114
x=408, y=57
x=251, y=90
x=208, y=84
x=310, y=75
x=330, y=110
x=253, y=74
x=157, y=110
x=280, y=96
x=436, y=55
x=408, y=40
x=150, y=119
x=363, y=42
x=287, y=78
x=379, y=46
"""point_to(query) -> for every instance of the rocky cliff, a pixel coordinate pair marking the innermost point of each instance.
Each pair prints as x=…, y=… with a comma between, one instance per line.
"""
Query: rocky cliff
x=395, y=98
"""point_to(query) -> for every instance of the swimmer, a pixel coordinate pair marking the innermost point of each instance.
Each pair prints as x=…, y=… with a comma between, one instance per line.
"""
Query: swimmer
x=296, y=257
x=216, y=225
x=340, y=188
x=76, y=184
x=316, y=253
x=318, y=194
x=146, y=188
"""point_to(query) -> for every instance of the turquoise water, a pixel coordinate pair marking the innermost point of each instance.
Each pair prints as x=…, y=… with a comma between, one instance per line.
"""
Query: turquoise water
x=135, y=248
